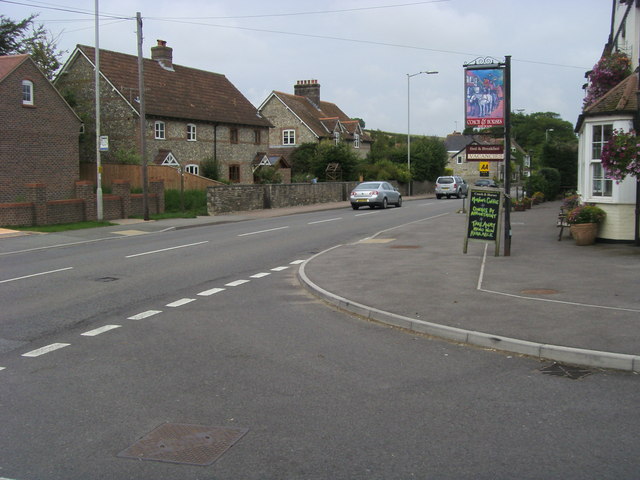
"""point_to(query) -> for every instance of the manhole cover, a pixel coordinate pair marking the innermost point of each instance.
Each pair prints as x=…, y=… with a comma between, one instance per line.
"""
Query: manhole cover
x=559, y=370
x=183, y=443
x=539, y=291
x=405, y=246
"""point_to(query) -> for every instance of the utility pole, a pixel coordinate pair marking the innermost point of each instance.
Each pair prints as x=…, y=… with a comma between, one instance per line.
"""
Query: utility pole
x=99, y=213
x=143, y=121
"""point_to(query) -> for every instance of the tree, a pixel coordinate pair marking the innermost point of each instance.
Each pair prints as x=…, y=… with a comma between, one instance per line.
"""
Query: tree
x=428, y=158
x=25, y=37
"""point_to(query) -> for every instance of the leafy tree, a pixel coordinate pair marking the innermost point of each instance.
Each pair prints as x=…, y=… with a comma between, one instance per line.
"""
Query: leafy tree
x=385, y=170
x=25, y=37
x=209, y=168
x=428, y=158
x=266, y=175
x=302, y=159
x=327, y=153
x=564, y=158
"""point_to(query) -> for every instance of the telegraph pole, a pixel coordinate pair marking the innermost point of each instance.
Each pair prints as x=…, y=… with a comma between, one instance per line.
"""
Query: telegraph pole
x=99, y=212
x=143, y=121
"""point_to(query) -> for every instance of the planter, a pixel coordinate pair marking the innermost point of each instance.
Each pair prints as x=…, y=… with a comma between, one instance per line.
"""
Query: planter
x=584, y=233
x=519, y=208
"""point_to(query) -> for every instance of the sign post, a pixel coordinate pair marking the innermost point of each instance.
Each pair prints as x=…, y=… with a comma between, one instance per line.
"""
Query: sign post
x=483, y=217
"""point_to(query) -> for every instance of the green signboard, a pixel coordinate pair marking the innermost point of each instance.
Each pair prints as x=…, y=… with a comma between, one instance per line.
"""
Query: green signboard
x=483, y=217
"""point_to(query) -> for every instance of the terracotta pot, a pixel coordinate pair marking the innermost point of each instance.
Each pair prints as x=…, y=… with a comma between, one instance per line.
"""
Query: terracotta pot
x=584, y=233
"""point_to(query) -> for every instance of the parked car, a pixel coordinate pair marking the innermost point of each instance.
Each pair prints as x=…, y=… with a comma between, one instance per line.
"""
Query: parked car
x=486, y=183
x=451, y=186
x=375, y=194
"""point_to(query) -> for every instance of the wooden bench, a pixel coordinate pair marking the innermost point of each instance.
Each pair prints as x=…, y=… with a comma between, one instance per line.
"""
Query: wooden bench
x=562, y=222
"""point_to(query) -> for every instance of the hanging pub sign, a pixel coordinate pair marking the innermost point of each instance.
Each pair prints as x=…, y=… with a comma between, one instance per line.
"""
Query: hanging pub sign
x=484, y=96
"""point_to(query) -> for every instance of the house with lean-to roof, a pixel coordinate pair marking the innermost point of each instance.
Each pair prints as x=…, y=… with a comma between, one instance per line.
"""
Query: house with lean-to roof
x=38, y=134
x=302, y=117
x=191, y=115
x=617, y=109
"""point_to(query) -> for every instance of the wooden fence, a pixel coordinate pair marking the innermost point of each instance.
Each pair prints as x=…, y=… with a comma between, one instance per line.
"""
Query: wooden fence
x=133, y=174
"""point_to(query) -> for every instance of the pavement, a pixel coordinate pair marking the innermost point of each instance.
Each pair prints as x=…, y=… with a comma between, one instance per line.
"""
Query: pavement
x=549, y=299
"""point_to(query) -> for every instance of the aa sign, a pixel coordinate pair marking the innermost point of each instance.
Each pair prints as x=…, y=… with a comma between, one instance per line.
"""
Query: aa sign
x=483, y=167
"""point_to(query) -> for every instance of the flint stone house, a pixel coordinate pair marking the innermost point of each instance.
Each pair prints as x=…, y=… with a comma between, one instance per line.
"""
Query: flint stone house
x=38, y=134
x=615, y=110
x=304, y=118
x=191, y=115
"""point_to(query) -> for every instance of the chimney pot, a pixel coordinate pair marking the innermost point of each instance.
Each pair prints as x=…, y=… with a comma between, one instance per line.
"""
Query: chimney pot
x=163, y=55
x=309, y=89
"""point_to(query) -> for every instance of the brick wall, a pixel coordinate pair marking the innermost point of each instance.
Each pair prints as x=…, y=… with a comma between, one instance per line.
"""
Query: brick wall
x=39, y=142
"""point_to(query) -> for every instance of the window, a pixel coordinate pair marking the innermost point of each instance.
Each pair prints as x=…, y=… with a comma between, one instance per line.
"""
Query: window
x=159, y=130
x=601, y=186
x=459, y=159
x=233, y=135
x=191, y=132
x=234, y=173
x=356, y=140
x=192, y=168
x=27, y=92
x=288, y=137
x=336, y=137
x=256, y=137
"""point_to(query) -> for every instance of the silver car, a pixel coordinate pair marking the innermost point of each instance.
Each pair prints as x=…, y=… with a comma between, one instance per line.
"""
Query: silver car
x=375, y=194
x=451, y=186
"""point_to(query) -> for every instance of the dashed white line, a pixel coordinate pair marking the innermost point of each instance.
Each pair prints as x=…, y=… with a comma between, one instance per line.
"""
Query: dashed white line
x=47, y=349
x=323, y=221
x=260, y=275
x=296, y=262
x=36, y=274
x=262, y=231
x=181, y=302
x=279, y=269
x=2, y=368
x=98, y=331
x=236, y=283
x=147, y=314
x=206, y=293
x=166, y=249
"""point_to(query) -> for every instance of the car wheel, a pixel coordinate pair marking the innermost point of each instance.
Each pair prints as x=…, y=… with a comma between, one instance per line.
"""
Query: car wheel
x=459, y=194
x=384, y=203
x=399, y=203
x=438, y=197
x=355, y=207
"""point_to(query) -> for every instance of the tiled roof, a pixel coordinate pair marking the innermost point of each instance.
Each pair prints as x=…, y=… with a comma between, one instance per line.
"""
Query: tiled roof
x=184, y=93
x=322, y=119
x=9, y=63
x=621, y=98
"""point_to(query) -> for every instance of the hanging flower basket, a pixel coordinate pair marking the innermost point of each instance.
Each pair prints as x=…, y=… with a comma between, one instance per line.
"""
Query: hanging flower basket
x=621, y=154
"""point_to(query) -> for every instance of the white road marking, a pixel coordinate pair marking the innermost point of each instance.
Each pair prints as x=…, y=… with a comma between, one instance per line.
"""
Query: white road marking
x=262, y=231
x=323, y=221
x=279, y=269
x=166, y=249
x=260, y=275
x=182, y=301
x=206, y=293
x=2, y=368
x=236, y=283
x=47, y=349
x=363, y=214
x=147, y=314
x=98, y=331
x=36, y=274
x=296, y=262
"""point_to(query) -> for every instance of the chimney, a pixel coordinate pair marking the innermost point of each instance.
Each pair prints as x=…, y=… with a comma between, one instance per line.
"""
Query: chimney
x=163, y=55
x=309, y=89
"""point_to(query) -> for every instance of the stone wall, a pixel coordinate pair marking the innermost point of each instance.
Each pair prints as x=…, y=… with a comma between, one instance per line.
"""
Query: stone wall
x=236, y=198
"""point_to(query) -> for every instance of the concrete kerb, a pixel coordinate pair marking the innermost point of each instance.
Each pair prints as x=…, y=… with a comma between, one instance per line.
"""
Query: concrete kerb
x=541, y=351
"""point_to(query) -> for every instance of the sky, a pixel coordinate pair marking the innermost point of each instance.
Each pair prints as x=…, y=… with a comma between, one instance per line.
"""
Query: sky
x=360, y=51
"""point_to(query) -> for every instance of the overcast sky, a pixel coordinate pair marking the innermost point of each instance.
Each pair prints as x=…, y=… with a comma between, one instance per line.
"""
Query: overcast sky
x=360, y=51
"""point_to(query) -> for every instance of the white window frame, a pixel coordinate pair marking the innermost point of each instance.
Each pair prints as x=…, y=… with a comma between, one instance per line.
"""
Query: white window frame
x=356, y=140
x=599, y=185
x=159, y=129
x=27, y=92
x=192, y=168
x=336, y=137
x=289, y=137
x=191, y=132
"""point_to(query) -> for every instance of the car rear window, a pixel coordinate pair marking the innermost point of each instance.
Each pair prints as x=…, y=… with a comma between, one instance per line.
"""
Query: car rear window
x=368, y=186
x=445, y=180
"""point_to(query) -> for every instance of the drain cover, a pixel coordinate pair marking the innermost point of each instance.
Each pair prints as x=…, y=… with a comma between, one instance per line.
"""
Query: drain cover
x=559, y=370
x=183, y=443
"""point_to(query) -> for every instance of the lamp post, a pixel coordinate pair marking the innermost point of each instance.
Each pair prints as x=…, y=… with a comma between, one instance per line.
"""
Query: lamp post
x=409, y=75
x=546, y=134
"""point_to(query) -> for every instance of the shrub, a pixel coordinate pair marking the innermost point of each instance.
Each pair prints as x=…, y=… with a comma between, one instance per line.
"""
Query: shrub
x=194, y=201
x=586, y=214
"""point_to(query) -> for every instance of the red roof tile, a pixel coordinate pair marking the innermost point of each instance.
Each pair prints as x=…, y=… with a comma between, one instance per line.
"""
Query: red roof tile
x=9, y=63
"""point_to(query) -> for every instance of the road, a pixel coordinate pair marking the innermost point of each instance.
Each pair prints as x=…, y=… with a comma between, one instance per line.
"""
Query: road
x=210, y=327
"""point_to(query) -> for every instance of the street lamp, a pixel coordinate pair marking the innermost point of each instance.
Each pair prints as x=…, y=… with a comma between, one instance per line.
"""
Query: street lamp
x=409, y=75
x=546, y=134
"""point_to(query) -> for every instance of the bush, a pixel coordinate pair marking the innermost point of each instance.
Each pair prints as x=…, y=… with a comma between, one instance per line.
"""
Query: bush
x=586, y=214
x=194, y=201
x=552, y=176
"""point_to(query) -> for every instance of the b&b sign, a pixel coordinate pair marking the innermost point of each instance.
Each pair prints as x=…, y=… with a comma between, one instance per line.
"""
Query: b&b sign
x=483, y=218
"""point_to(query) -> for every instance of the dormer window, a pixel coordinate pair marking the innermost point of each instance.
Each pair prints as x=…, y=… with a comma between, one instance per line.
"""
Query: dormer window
x=356, y=140
x=336, y=137
x=27, y=92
